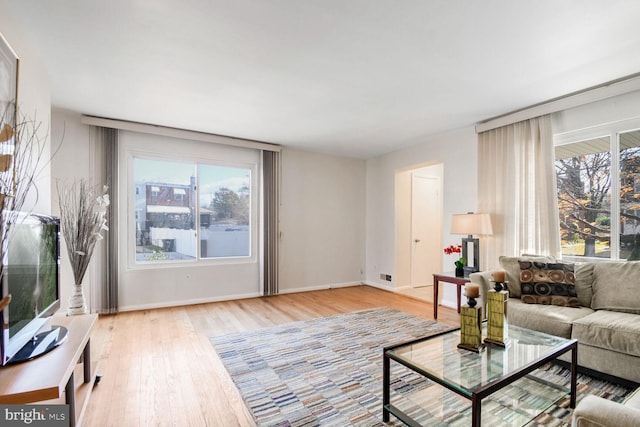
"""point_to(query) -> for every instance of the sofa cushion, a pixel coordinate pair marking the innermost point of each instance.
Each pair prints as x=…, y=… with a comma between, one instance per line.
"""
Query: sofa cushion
x=548, y=283
x=609, y=330
x=583, y=272
x=615, y=286
x=512, y=268
x=551, y=319
x=633, y=400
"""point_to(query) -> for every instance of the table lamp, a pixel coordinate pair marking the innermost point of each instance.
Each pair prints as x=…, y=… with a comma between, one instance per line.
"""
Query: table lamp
x=470, y=224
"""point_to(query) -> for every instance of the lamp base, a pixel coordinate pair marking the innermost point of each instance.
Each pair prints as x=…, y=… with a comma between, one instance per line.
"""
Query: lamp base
x=468, y=270
x=471, y=252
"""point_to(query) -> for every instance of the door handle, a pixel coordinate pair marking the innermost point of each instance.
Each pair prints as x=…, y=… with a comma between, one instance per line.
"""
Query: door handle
x=417, y=240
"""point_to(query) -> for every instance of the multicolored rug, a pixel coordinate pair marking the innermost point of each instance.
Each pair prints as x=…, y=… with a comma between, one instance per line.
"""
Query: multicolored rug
x=328, y=371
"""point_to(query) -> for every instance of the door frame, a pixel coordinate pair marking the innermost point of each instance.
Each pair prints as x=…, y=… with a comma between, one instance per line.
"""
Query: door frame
x=402, y=231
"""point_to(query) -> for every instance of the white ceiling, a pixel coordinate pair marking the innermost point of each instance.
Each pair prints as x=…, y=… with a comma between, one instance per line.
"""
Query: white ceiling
x=349, y=77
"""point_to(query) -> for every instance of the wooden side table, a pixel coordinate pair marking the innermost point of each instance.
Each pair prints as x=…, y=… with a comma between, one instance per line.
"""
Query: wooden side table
x=49, y=376
x=448, y=278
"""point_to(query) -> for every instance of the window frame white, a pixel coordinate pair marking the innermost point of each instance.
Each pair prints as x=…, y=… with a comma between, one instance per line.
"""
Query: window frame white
x=612, y=131
x=130, y=263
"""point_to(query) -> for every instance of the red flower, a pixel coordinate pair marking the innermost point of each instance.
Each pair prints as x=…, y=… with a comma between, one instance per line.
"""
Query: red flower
x=453, y=249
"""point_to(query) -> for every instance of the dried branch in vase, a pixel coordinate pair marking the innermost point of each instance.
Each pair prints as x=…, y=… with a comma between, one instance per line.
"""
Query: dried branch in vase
x=83, y=217
x=22, y=146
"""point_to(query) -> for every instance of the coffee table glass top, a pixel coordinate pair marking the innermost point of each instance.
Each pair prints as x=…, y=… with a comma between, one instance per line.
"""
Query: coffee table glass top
x=467, y=371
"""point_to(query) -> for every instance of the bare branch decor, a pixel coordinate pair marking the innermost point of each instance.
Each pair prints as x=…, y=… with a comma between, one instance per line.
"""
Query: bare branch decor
x=83, y=217
x=21, y=149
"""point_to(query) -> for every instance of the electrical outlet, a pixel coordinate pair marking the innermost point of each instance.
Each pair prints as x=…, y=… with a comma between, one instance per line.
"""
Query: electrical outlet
x=386, y=277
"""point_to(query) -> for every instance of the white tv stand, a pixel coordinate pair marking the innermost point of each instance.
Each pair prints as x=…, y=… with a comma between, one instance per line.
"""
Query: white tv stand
x=49, y=376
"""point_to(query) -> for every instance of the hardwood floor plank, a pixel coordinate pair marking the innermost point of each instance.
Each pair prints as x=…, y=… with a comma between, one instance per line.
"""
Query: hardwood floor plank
x=159, y=367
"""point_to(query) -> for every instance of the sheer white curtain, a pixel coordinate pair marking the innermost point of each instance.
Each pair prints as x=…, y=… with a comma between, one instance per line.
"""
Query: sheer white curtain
x=517, y=186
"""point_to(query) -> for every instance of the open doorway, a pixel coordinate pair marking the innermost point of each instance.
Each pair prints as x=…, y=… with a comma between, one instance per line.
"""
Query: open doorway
x=419, y=206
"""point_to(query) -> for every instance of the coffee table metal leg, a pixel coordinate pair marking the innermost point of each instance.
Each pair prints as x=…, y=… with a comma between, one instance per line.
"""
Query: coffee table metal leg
x=476, y=411
x=385, y=388
x=574, y=375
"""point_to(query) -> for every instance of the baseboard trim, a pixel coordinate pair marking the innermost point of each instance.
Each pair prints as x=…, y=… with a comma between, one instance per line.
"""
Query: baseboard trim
x=168, y=304
x=320, y=287
x=380, y=286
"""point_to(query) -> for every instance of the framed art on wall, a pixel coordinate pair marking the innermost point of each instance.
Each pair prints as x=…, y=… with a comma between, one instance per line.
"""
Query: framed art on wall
x=8, y=90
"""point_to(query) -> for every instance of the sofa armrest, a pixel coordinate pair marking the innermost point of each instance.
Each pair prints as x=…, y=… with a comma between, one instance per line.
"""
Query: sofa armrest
x=483, y=279
x=593, y=411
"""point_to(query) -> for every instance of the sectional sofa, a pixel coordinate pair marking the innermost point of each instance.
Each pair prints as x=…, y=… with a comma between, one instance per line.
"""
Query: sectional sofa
x=598, y=303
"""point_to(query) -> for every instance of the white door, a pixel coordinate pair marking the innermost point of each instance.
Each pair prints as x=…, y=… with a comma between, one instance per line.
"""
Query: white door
x=426, y=221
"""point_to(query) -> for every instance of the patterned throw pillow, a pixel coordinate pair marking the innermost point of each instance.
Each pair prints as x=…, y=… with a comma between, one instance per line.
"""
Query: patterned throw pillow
x=548, y=283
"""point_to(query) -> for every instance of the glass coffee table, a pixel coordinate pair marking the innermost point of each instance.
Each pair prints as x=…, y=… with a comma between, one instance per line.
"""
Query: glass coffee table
x=499, y=380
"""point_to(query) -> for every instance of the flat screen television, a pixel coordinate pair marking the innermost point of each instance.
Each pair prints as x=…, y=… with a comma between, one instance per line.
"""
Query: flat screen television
x=31, y=276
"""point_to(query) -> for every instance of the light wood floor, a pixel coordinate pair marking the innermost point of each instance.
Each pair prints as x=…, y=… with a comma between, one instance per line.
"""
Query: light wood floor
x=159, y=368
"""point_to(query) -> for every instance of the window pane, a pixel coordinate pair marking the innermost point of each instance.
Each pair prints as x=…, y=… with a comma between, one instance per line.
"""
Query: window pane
x=630, y=195
x=225, y=211
x=164, y=210
x=584, y=197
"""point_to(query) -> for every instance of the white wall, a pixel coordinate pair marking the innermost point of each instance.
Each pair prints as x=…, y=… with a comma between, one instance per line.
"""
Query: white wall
x=457, y=151
x=321, y=221
x=34, y=104
x=76, y=157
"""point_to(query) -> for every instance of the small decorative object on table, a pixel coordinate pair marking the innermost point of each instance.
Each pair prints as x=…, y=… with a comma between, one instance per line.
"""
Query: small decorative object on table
x=498, y=279
x=471, y=321
x=497, y=298
x=83, y=216
x=460, y=262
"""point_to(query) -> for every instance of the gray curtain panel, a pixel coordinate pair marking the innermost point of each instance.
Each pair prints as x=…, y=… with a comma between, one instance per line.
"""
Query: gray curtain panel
x=270, y=220
x=109, y=295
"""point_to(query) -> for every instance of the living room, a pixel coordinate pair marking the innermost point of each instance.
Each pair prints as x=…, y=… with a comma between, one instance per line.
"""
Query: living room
x=340, y=212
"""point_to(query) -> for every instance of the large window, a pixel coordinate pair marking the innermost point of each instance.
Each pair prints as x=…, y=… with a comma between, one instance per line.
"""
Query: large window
x=225, y=211
x=178, y=204
x=599, y=196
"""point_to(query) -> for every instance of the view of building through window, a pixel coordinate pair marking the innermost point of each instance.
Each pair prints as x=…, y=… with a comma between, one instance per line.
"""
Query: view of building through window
x=178, y=204
x=593, y=222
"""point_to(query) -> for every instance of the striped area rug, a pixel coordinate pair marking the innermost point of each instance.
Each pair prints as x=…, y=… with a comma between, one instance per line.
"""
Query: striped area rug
x=328, y=371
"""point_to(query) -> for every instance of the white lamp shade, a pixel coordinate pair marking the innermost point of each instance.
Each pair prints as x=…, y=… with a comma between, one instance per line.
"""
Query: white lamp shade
x=472, y=223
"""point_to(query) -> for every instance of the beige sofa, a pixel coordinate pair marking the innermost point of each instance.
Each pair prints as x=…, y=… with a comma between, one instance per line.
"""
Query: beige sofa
x=593, y=411
x=605, y=321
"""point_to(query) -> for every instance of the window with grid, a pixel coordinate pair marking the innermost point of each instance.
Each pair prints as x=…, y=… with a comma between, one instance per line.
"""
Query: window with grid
x=598, y=186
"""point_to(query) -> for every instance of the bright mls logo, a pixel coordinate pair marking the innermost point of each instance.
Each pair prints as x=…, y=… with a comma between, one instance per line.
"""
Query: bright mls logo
x=34, y=415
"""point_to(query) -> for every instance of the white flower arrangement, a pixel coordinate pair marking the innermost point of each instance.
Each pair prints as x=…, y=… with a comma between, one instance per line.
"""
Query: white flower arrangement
x=83, y=217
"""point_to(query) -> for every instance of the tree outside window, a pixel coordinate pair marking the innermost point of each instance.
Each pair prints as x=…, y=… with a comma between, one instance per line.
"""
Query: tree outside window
x=589, y=213
x=630, y=195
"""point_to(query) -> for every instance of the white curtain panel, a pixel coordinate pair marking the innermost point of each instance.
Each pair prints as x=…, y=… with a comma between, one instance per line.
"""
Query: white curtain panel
x=517, y=186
